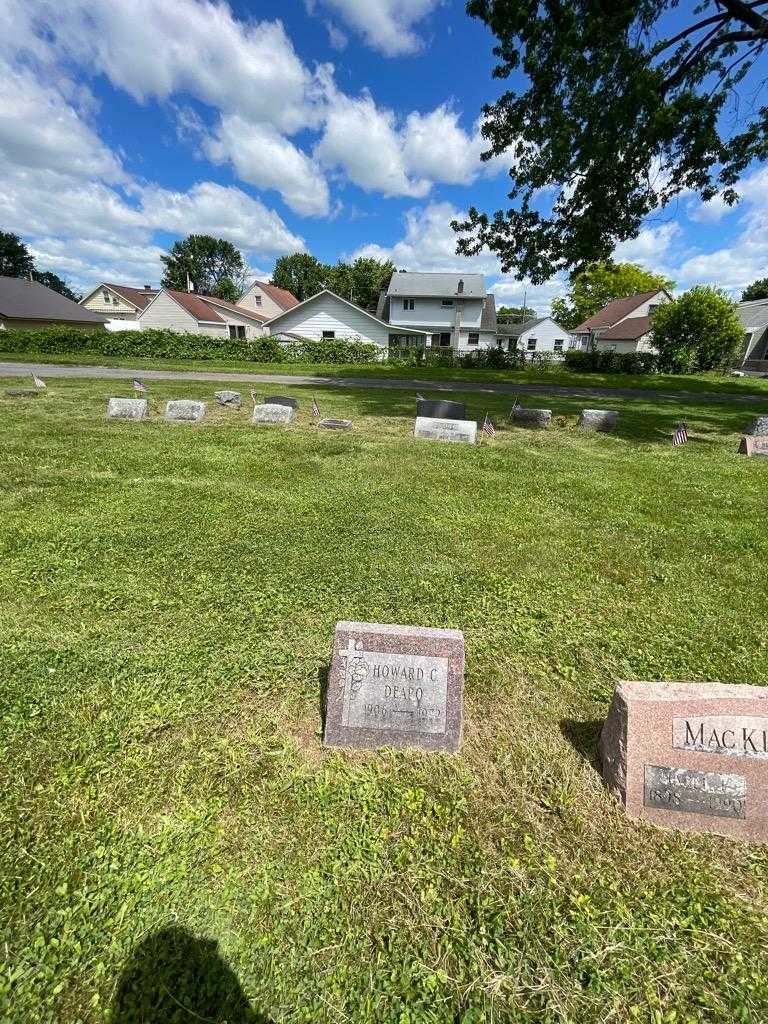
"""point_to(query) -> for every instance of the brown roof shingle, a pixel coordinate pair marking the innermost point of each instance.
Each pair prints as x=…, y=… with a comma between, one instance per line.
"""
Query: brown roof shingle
x=629, y=330
x=284, y=298
x=203, y=307
x=139, y=297
x=614, y=311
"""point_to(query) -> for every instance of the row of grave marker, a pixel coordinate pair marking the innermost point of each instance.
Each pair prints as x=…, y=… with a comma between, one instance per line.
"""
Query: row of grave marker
x=691, y=756
x=438, y=420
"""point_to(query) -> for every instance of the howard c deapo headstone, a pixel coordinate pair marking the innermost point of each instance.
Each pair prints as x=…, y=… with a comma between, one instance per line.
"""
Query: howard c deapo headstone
x=691, y=756
x=432, y=429
x=396, y=686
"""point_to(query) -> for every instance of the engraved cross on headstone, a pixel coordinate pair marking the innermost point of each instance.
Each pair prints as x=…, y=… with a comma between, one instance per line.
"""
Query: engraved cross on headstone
x=356, y=669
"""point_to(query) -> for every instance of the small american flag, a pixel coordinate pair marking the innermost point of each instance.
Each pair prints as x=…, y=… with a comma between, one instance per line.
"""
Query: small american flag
x=419, y=397
x=315, y=410
x=38, y=382
x=139, y=386
x=254, y=397
x=680, y=435
x=516, y=404
x=488, y=428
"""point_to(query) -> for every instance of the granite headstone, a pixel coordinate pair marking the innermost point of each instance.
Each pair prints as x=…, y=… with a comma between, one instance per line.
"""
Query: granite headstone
x=232, y=399
x=292, y=403
x=127, y=409
x=691, y=756
x=534, y=419
x=269, y=413
x=184, y=410
x=754, y=445
x=458, y=431
x=598, y=419
x=21, y=393
x=758, y=427
x=396, y=686
x=332, y=424
x=441, y=409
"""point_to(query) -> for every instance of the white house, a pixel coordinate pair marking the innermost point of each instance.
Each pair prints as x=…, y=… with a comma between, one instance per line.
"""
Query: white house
x=455, y=310
x=535, y=337
x=190, y=313
x=267, y=299
x=624, y=325
x=327, y=315
x=754, y=318
x=119, y=301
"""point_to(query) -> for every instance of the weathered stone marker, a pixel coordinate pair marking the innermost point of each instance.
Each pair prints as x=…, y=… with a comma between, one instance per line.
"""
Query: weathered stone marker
x=233, y=399
x=293, y=403
x=753, y=445
x=598, y=419
x=441, y=409
x=396, y=686
x=185, y=409
x=758, y=427
x=445, y=430
x=534, y=419
x=21, y=393
x=690, y=756
x=268, y=413
x=127, y=409
x=332, y=424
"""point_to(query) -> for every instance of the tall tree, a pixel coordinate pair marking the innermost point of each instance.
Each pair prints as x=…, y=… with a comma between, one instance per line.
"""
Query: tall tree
x=618, y=116
x=15, y=258
x=206, y=261
x=600, y=283
x=361, y=281
x=302, y=274
x=55, y=283
x=756, y=290
x=514, y=314
x=698, y=331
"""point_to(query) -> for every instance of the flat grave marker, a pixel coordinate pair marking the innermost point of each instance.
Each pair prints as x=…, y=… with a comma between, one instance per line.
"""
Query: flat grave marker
x=333, y=424
x=268, y=413
x=127, y=409
x=184, y=410
x=231, y=399
x=690, y=756
x=395, y=686
x=21, y=393
x=433, y=429
x=441, y=408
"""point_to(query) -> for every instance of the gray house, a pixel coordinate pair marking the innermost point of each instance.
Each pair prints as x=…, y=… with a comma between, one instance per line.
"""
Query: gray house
x=754, y=318
x=25, y=305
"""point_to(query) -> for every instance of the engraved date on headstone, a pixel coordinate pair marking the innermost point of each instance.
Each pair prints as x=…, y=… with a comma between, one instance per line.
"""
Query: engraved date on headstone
x=717, y=794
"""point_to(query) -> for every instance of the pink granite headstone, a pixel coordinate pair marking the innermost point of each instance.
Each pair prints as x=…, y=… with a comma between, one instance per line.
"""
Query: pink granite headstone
x=690, y=756
x=754, y=446
x=395, y=686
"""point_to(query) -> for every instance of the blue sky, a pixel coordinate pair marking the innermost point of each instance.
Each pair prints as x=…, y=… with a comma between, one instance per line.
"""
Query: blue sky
x=338, y=126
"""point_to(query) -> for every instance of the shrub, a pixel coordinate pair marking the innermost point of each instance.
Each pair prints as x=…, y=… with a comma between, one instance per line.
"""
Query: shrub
x=331, y=350
x=487, y=359
x=698, y=331
x=598, y=361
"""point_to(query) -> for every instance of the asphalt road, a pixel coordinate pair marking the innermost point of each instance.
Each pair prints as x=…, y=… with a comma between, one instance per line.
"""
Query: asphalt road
x=493, y=388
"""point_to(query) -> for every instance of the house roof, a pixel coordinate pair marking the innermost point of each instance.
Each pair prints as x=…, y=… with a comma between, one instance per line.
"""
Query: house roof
x=21, y=299
x=515, y=330
x=435, y=285
x=138, y=297
x=358, y=309
x=753, y=315
x=285, y=299
x=615, y=311
x=204, y=307
x=211, y=300
x=628, y=330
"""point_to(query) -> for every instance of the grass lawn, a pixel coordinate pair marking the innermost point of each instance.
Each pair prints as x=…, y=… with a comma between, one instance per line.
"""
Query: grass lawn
x=559, y=376
x=177, y=845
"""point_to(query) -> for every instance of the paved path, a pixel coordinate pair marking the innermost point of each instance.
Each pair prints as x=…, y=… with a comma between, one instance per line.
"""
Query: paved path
x=490, y=387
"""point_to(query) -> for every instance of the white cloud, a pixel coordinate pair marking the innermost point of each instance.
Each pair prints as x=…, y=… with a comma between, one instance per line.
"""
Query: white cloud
x=386, y=25
x=336, y=37
x=435, y=146
x=263, y=157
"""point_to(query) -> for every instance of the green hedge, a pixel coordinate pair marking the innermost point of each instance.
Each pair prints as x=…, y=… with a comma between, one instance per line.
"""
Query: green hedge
x=611, y=362
x=164, y=344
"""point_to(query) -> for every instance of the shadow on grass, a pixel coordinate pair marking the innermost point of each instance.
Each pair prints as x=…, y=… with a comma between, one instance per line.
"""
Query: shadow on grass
x=174, y=977
x=323, y=674
x=583, y=737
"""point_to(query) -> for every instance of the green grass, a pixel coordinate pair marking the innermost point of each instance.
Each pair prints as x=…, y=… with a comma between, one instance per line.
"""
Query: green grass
x=177, y=845
x=694, y=384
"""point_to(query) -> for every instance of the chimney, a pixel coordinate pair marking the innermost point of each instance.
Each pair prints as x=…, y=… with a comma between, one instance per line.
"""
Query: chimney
x=460, y=289
x=147, y=287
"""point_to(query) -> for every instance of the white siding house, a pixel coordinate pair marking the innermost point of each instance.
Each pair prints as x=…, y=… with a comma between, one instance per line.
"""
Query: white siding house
x=189, y=313
x=267, y=299
x=327, y=315
x=535, y=337
x=121, y=303
x=455, y=310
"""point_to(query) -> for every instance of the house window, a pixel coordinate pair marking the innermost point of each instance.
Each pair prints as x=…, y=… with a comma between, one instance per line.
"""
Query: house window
x=559, y=342
x=435, y=339
x=652, y=310
x=408, y=304
x=473, y=339
x=445, y=339
x=447, y=302
x=237, y=330
x=105, y=296
x=257, y=300
x=329, y=334
x=531, y=344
